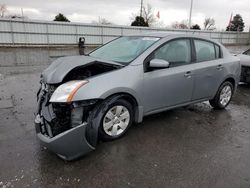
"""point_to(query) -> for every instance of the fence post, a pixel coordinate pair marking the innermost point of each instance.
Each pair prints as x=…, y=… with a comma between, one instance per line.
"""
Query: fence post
x=249, y=36
x=13, y=42
x=221, y=37
x=102, y=39
x=121, y=31
x=76, y=32
x=237, y=38
x=47, y=33
x=25, y=33
x=12, y=33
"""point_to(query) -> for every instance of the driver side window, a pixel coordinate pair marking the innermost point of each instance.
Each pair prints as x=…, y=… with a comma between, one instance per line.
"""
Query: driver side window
x=176, y=52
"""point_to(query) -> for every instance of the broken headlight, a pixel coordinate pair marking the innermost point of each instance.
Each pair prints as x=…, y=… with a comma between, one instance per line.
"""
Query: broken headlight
x=66, y=91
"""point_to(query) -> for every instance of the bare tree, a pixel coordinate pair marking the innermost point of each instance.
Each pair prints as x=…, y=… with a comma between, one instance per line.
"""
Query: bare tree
x=102, y=21
x=3, y=10
x=175, y=25
x=16, y=16
x=180, y=25
x=209, y=24
x=147, y=14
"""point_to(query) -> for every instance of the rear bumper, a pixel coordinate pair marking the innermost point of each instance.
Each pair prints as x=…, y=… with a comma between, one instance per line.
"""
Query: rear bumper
x=245, y=74
x=68, y=145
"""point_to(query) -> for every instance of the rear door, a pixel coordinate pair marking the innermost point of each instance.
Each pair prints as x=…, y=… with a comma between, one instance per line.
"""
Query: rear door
x=209, y=68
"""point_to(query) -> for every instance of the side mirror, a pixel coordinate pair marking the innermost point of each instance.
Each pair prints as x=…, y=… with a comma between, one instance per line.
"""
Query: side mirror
x=158, y=63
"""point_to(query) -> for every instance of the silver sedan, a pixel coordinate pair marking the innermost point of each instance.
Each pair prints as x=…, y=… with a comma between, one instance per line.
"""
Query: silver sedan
x=84, y=99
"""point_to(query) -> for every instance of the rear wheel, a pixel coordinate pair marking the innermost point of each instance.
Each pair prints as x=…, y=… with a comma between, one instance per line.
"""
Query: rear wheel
x=223, y=96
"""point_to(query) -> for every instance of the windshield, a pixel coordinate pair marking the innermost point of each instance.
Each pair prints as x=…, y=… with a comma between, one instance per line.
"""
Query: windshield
x=124, y=49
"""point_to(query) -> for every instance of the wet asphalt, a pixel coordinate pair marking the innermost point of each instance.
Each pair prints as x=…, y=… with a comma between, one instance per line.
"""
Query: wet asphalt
x=194, y=146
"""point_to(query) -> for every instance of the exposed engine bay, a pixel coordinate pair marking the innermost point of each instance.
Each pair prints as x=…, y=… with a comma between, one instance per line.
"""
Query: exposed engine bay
x=56, y=118
x=83, y=72
x=59, y=117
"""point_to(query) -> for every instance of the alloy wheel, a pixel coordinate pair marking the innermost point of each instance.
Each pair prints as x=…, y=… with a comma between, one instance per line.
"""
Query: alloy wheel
x=116, y=120
x=225, y=95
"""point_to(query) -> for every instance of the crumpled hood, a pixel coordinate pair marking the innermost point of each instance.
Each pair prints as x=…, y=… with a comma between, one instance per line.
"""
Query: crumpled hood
x=56, y=72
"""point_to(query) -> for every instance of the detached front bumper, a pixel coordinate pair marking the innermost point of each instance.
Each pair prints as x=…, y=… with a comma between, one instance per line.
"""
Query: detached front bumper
x=68, y=145
x=62, y=128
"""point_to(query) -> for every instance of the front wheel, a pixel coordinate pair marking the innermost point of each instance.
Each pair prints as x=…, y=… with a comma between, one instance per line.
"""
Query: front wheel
x=116, y=119
x=223, y=96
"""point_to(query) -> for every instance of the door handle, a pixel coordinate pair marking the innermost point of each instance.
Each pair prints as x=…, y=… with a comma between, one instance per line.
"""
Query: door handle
x=219, y=67
x=188, y=74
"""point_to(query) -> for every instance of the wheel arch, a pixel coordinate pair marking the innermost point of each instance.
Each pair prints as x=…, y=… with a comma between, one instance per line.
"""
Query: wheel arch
x=232, y=81
x=138, y=110
x=93, y=126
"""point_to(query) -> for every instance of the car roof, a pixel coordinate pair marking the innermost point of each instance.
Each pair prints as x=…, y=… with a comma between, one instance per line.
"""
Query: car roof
x=172, y=34
x=154, y=34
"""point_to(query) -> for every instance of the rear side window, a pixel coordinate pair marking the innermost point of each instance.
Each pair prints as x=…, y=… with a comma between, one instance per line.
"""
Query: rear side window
x=206, y=51
x=176, y=52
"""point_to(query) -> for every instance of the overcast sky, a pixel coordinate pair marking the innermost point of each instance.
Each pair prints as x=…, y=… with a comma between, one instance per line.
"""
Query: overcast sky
x=120, y=11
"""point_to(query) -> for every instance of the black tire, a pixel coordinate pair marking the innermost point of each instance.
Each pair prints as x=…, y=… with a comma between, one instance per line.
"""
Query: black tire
x=215, y=102
x=97, y=117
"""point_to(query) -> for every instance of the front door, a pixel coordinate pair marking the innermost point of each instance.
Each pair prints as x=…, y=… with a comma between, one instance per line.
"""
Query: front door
x=170, y=86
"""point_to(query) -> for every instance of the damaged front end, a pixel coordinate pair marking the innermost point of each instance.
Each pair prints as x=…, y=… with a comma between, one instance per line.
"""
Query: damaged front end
x=62, y=123
x=62, y=126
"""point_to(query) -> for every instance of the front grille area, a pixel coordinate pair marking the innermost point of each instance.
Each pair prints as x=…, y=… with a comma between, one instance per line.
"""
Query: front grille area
x=56, y=118
x=62, y=120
